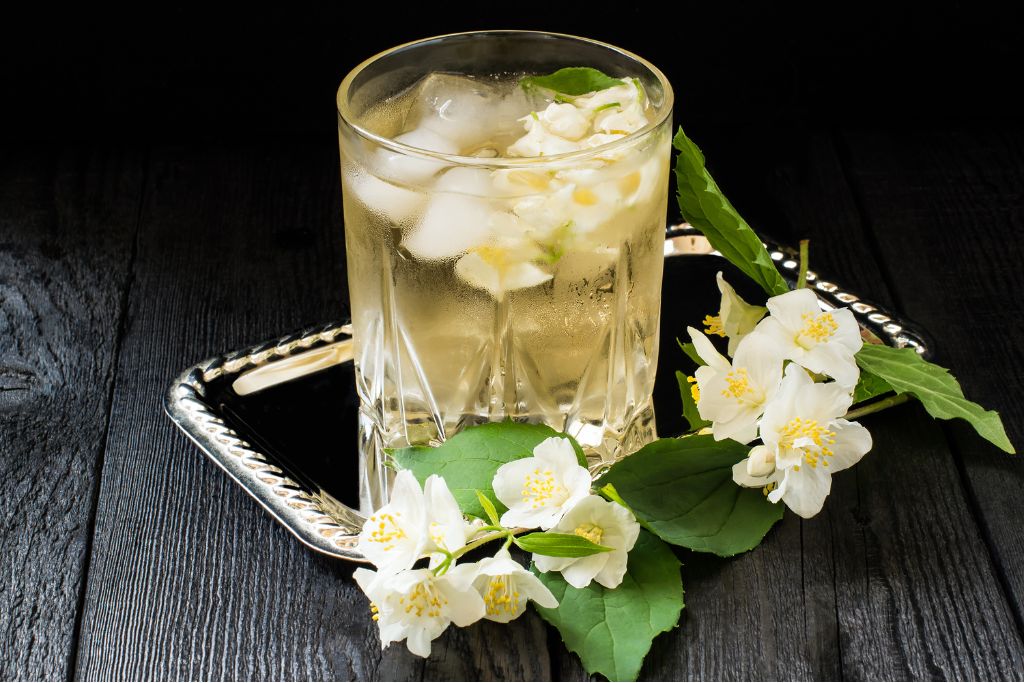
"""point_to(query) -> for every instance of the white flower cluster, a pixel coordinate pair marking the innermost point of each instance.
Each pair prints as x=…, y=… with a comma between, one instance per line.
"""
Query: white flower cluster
x=776, y=388
x=557, y=212
x=549, y=490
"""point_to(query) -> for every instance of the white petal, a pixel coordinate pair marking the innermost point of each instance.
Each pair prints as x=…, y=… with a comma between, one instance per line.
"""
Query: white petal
x=527, y=518
x=848, y=333
x=786, y=458
x=546, y=563
x=779, y=338
x=833, y=360
x=806, y=489
x=613, y=571
x=853, y=441
x=743, y=478
x=523, y=276
x=418, y=642
x=783, y=407
x=478, y=272
x=501, y=563
x=509, y=480
x=707, y=351
x=391, y=632
x=465, y=606
x=577, y=482
x=742, y=427
x=762, y=360
x=822, y=401
x=738, y=317
x=558, y=452
x=394, y=536
x=448, y=527
x=789, y=308
x=565, y=120
x=533, y=589
x=582, y=571
x=761, y=461
x=366, y=580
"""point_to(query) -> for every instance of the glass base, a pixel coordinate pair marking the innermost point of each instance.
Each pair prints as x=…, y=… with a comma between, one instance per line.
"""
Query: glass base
x=603, y=447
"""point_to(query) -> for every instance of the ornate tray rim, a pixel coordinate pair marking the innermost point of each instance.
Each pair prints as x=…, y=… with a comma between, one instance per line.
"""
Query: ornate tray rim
x=330, y=528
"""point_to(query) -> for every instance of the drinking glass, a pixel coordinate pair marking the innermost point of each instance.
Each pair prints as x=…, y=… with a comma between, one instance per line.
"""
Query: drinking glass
x=487, y=287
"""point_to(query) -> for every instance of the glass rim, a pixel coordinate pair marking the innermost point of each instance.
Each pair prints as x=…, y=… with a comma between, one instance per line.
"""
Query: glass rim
x=345, y=113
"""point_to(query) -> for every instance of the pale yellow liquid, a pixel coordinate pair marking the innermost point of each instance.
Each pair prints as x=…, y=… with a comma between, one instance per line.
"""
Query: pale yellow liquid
x=435, y=354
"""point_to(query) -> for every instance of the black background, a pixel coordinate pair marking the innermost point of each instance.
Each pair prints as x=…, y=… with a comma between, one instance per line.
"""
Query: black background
x=221, y=71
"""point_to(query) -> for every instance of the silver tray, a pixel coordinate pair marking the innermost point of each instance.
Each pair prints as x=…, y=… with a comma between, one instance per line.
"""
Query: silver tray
x=278, y=417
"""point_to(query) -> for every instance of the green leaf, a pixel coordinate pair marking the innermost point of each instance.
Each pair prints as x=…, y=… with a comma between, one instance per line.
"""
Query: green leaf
x=559, y=545
x=683, y=491
x=612, y=629
x=690, y=412
x=468, y=460
x=937, y=390
x=691, y=352
x=705, y=207
x=869, y=386
x=572, y=81
x=488, y=506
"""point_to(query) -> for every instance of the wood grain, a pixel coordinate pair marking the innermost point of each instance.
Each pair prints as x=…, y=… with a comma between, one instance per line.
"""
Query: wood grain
x=67, y=226
x=946, y=208
x=190, y=579
x=911, y=572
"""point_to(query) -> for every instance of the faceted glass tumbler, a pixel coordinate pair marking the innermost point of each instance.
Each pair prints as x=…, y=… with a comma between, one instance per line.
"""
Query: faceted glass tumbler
x=487, y=288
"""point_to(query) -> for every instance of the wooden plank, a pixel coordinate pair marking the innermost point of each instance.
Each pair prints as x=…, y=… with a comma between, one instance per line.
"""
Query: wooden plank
x=945, y=207
x=67, y=227
x=190, y=579
x=916, y=594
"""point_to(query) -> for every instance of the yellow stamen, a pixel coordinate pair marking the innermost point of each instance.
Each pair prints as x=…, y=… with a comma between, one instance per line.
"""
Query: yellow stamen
x=584, y=196
x=713, y=325
x=818, y=328
x=494, y=256
x=694, y=389
x=530, y=179
x=540, y=488
x=387, y=531
x=629, y=184
x=821, y=438
x=501, y=597
x=591, y=532
x=739, y=385
x=424, y=600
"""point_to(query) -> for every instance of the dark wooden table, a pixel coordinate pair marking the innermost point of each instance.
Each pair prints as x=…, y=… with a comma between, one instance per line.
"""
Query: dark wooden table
x=124, y=554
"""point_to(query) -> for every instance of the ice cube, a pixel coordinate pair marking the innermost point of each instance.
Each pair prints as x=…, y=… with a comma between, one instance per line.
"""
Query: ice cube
x=428, y=139
x=394, y=203
x=465, y=180
x=405, y=168
x=451, y=224
x=460, y=109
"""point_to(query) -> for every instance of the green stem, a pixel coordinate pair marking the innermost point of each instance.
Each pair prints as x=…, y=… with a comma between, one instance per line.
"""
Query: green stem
x=801, y=281
x=443, y=567
x=877, y=406
x=487, y=539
